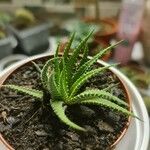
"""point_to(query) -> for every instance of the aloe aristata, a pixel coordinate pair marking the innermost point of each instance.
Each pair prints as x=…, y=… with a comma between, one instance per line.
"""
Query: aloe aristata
x=63, y=76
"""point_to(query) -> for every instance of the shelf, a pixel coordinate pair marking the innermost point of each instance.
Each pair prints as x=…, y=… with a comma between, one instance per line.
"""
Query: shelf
x=60, y=8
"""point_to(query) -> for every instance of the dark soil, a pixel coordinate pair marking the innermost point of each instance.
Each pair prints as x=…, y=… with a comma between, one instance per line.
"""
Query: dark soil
x=28, y=126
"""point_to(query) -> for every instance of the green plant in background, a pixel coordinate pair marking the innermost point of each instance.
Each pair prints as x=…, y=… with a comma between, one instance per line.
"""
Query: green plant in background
x=82, y=28
x=63, y=77
x=140, y=79
x=24, y=17
x=4, y=20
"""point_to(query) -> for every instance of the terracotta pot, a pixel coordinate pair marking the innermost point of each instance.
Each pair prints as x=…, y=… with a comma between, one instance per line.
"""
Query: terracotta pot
x=5, y=146
x=110, y=28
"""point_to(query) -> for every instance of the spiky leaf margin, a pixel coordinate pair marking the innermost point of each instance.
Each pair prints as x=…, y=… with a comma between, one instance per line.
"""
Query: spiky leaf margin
x=76, y=86
x=108, y=104
x=52, y=87
x=82, y=69
x=73, y=58
x=26, y=90
x=96, y=93
x=46, y=70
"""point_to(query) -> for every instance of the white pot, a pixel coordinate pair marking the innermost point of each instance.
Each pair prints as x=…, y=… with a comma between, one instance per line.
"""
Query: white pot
x=137, y=136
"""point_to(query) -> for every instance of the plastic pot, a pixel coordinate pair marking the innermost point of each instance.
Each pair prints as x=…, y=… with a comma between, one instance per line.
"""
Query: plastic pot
x=6, y=46
x=34, y=40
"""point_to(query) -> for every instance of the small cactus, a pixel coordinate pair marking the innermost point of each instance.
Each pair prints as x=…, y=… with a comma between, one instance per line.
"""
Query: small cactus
x=24, y=17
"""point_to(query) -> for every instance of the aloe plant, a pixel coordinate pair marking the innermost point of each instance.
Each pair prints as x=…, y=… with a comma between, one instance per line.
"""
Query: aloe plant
x=63, y=76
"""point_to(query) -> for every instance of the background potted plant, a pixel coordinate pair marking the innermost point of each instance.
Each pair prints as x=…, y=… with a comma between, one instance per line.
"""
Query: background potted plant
x=107, y=27
x=32, y=36
x=65, y=87
x=81, y=28
x=5, y=44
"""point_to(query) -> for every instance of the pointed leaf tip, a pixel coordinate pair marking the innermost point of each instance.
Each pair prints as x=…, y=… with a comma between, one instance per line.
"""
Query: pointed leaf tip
x=59, y=110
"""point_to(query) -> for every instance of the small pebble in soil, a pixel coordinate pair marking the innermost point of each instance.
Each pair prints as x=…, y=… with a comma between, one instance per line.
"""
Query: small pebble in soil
x=82, y=111
x=41, y=133
x=73, y=136
x=114, y=116
x=104, y=126
x=3, y=127
x=90, y=129
x=59, y=146
x=11, y=121
x=86, y=111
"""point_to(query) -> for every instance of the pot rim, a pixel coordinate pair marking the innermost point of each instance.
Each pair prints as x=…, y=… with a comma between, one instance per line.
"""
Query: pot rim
x=27, y=61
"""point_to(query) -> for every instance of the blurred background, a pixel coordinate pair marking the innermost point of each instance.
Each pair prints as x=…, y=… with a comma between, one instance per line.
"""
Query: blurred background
x=31, y=27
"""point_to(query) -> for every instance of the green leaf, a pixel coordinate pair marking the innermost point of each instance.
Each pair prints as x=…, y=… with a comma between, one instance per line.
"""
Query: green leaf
x=26, y=90
x=81, y=70
x=46, y=71
x=36, y=66
x=85, y=55
x=76, y=52
x=66, y=56
x=57, y=51
x=108, y=104
x=96, y=93
x=79, y=82
x=59, y=110
x=68, y=47
x=111, y=86
x=56, y=64
x=63, y=84
x=53, y=87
